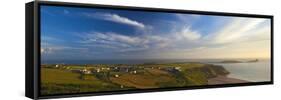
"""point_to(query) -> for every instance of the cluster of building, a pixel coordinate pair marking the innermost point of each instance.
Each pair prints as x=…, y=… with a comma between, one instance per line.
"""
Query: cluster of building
x=124, y=69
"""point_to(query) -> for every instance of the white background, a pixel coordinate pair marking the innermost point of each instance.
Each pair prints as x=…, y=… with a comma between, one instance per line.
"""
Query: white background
x=12, y=22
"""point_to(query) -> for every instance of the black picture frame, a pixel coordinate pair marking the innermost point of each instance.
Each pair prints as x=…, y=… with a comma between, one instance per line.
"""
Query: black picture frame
x=32, y=82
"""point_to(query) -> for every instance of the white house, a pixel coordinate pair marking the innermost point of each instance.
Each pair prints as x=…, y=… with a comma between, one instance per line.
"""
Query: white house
x=178, y=68
x=135, y=72
x=85, y=71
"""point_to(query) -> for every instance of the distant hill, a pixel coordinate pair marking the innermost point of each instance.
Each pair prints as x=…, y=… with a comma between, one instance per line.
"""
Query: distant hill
x=256, y=60
x=236, y=61
x=231, y=61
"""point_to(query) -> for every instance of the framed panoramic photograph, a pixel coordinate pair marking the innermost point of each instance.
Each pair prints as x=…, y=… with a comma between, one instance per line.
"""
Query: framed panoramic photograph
x=75, y=49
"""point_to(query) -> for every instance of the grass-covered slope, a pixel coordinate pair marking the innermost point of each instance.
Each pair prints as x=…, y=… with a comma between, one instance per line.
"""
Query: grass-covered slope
x=57, y=81
x=64, y=80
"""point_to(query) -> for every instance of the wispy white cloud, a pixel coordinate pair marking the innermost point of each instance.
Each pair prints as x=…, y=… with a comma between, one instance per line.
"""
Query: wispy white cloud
x=52, y=45
x=116, y=18
x=113, y=41
x=239, y=38
x=111, y=38
x=187, y=17
x=47, y=48
x=189, y=34
x=122, y=43
x=240, y=29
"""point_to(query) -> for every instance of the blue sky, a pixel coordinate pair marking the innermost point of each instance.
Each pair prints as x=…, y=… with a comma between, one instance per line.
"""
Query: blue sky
x=88, y=33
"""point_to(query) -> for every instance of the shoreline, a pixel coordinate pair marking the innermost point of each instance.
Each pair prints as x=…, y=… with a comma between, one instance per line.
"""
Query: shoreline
x=224, y=80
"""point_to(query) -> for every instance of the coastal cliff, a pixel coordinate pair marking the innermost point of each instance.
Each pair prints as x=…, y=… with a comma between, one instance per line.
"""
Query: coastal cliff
x=200, y=75
x=104, y=77
x=211, y=71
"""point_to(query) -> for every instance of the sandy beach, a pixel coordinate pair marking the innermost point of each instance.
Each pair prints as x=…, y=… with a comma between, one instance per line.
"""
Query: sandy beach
x=224, y=80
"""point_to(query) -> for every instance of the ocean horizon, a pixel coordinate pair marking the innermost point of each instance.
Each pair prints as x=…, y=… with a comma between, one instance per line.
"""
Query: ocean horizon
x=144, y=61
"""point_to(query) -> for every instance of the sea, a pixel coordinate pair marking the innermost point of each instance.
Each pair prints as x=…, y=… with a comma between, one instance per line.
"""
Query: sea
x=250, y=71
x=253, y=71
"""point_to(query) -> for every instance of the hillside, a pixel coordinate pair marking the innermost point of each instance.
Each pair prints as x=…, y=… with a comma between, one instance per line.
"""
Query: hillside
x=102, y=77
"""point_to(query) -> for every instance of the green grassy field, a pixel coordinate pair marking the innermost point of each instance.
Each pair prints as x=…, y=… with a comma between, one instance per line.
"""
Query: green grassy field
x=57, y=81
x=63, y=80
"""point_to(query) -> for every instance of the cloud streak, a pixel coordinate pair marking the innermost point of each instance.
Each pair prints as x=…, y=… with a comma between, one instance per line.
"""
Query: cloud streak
x=122, y=43
x=117, y=19
x=239, y=30
x=189, y=34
